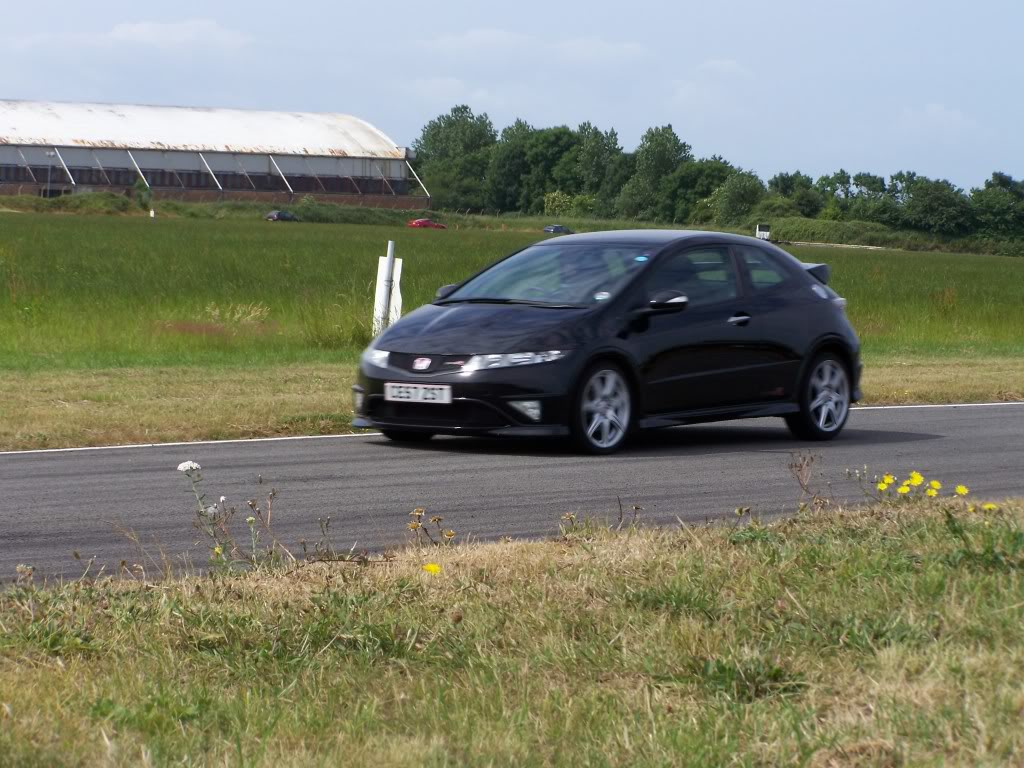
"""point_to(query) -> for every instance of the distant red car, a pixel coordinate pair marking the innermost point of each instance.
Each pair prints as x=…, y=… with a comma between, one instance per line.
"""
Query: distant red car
x=426, y=224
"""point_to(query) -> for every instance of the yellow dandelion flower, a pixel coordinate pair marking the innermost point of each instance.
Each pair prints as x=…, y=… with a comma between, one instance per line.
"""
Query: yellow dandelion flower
x=962, y=490
x=936, y=485
x=414, y=525
x=988, y=506
x=218, y=551
x=882, y=486
x=432, y=568
x=888, y=479
x=915, y=479
x=449, y=535
x=931, y=493
x=904, y=489
x=417, y=513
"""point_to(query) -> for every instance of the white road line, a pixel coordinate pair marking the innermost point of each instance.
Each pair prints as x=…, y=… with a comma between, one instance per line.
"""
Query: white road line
x=374, y=434
x=187, y=443
x=936, y=405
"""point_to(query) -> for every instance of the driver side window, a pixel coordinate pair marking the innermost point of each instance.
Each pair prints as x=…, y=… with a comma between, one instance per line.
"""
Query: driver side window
x=705, y=276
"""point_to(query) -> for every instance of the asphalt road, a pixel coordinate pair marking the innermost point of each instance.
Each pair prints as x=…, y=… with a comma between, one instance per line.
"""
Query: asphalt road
x=55, y=503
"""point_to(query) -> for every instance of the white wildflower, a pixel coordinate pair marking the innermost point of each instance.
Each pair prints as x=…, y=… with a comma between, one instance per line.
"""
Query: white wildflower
x=250, y=520
x=188, y=466
x=223, y=499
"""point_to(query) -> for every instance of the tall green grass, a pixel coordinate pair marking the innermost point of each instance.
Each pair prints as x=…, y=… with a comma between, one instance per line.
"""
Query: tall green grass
x=100, y=291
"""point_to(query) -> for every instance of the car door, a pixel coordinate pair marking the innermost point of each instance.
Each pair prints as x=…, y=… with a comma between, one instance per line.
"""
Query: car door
x=693, y=359
x=780, y=329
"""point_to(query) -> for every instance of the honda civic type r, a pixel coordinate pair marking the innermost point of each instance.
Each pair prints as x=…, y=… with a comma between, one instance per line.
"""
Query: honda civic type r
x=593, y=336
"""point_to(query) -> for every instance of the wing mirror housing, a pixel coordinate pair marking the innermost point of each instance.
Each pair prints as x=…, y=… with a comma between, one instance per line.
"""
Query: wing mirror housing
x=665, y=302
x=444, y=291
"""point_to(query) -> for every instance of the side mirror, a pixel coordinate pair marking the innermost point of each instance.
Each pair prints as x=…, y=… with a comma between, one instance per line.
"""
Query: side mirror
x=444, y=291
x=664, y=302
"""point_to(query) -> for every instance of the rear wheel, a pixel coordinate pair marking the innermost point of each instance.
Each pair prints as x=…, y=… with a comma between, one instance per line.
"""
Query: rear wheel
x=603, y=410
x=404, y=436
x=824, y=400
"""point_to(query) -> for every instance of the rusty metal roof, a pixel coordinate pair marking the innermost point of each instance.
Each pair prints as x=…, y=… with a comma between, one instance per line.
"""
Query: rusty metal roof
x=192, y=129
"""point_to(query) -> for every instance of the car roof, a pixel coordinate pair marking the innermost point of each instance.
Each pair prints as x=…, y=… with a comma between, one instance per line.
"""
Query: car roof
x=652, y=237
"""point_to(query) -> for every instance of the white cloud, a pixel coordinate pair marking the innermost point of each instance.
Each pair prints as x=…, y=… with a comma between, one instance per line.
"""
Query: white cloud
x=155, y=34
x=447, y=91
x=725, y=67
x=595, y=49
x=476, y=40
x=583, y=50
x=177, y=33
x=936, y=121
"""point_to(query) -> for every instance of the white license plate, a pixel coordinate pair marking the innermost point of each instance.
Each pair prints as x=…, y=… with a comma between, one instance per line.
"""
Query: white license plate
x=418, y=393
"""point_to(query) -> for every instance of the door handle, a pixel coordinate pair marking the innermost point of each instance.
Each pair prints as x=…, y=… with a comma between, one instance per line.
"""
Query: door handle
x=739, y=319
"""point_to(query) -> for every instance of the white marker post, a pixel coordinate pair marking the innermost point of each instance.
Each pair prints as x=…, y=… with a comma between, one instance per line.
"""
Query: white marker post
x=387, y=303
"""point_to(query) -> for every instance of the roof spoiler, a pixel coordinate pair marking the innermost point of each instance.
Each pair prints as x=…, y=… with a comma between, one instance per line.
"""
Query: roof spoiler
x=820, y=272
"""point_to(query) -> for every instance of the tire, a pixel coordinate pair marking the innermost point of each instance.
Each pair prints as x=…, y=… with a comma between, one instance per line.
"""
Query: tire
x=602, y=411
x=403, y=436
x=824, y=399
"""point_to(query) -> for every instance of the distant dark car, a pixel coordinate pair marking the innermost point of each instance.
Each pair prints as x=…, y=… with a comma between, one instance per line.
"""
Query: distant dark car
x=281, y=216
x=557, y=229
x=593, y=336
x=426, y=224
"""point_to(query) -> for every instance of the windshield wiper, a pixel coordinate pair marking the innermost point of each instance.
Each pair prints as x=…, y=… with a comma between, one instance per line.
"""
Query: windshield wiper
x=527, y=302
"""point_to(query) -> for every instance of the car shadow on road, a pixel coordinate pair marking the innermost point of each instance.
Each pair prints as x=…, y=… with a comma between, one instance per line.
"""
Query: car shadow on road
x=674, y=441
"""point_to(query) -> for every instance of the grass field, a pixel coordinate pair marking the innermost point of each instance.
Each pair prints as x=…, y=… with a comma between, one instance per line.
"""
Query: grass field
x=207, y=327
x=887, y=636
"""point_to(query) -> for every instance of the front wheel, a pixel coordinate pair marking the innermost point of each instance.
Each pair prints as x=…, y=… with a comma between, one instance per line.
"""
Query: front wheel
x=603, y=410
x=824, y=400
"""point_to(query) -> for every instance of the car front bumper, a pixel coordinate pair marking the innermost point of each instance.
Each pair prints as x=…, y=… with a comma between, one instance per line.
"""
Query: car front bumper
x=481, y=401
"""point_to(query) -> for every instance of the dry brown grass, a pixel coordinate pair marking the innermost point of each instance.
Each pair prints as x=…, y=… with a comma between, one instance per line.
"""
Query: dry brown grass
x=887, y=636
x=144, y=405
x=70, y=408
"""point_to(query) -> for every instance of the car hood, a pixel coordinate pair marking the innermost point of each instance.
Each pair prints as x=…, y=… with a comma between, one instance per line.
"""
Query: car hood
x=457, y=329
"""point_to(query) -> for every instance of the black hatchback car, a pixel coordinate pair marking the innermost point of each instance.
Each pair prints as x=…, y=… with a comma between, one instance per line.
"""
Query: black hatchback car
x=595, y=335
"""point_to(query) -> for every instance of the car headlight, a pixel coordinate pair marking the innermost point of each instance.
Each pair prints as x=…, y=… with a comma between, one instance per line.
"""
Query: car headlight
x=378, y=357
x=511, y=360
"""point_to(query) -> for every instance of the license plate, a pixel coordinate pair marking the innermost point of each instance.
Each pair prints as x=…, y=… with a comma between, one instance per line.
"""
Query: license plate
x=418, y=393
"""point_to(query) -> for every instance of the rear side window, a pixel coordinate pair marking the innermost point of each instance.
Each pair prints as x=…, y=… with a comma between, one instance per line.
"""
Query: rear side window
x=764, y=271
x=704, y=276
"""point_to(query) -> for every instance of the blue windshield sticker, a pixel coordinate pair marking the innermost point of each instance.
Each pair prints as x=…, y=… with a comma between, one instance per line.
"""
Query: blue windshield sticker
x=640, y=258
x=602, y=296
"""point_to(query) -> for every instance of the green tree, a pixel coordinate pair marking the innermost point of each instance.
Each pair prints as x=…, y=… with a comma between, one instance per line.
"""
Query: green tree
x=453, y=135
x=690, y=182
x=938, y=207
x=900, y=186
x=838, y=185
x=660, y=152
x=453, y=153
x=790, y=184
x=597, y=151
x=800, y=188
x=868, y=185
x=737, y=197
x=508, y=167
x=999, y=206
x=545, y=149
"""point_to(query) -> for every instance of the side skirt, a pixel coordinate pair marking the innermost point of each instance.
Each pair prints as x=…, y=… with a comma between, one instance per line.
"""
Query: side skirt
x=678, y=418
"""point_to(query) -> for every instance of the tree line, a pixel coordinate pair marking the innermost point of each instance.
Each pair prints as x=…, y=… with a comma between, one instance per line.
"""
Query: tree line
x=584, y=172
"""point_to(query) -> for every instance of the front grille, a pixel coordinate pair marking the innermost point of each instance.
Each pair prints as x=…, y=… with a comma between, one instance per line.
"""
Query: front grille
x=460, y=413
x=438, y=363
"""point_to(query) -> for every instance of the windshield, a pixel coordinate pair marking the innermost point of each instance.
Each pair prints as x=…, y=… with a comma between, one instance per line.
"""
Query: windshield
x=563, y=275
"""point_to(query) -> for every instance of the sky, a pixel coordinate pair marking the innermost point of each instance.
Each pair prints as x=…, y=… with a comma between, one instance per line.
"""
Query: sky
x=927, y=85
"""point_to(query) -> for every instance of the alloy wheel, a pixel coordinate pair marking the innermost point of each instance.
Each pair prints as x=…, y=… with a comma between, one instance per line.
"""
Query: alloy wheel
x=829, y=396
x=606, y=408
